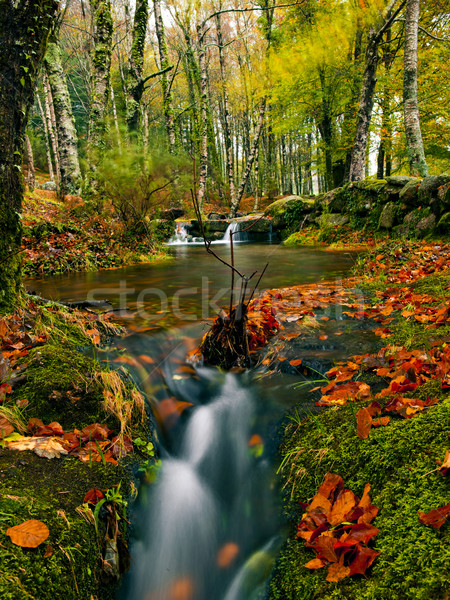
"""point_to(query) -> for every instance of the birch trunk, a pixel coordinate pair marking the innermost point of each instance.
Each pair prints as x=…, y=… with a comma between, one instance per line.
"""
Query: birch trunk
x=134, y=79
x=414, y=142
x=70, y=173
x=51, y=130
x=47, y=140
x=203, y=166
x=31, y=181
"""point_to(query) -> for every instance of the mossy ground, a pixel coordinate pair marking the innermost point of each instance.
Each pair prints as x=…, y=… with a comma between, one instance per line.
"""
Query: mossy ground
x=399, y=462
x=62, y=384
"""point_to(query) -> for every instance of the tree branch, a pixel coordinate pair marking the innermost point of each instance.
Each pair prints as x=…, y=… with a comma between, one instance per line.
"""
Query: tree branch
x=156, y=74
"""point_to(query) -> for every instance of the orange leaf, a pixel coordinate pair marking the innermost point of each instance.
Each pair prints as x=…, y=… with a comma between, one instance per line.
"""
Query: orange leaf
x=345, y=502
x=315, y=563
x=363, y=423
x=436, y=517
x=29, y=534
x=296, y=363
x=336, y=572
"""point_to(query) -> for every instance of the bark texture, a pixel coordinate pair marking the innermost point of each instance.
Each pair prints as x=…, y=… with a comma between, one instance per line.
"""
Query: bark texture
x=101, y=63
x=24, y=30
x=70, y=173
x=135, y=82
x=414, y=143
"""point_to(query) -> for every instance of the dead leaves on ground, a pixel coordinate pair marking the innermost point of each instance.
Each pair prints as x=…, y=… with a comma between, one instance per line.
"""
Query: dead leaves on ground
x=29, y=534
x=337, y=526
x=93, y=443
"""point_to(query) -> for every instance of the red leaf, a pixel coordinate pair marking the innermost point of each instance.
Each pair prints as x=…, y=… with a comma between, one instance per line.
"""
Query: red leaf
x=363, y=423
x=436, y=517
x=93, y=496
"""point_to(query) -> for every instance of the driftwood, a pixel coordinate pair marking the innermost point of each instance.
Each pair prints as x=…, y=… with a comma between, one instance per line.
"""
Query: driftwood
x=227, y=342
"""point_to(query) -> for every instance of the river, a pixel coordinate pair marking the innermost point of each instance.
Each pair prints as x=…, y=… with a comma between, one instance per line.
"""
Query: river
x=210, y=527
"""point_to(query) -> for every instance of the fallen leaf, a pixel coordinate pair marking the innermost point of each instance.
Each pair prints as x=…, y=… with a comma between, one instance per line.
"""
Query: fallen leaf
x=363, y=423
x=436, y=517
x=29, y=534
x=45, y=447
x=93, y=496
x=227, y=554
x=336, y=572
x=296, y=363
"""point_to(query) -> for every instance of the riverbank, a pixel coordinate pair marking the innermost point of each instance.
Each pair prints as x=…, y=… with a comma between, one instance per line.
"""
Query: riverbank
x=89, y=441
x=74, y=235
x=401, y=291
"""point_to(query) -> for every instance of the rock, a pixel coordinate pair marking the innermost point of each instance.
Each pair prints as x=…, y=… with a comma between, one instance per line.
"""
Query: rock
x=49, y=186
x=399, y=180
x=257, y=225
x=288, y=210
x=444, y=193
x=387, y=217
x=215, y=225
x=444, y=224
x=429, y=187
x=170, y=214
x=214, y=216
x=332, y=220
x=336, y=200
x=409, y=193
x=426, y=226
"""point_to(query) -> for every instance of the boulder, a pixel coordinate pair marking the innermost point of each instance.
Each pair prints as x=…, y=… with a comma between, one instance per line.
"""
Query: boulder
x=409, y=193
x=426, y=226
x=399, y=180
x=170, y=214
x=214, y=216
x=429, y=187
x=443, y=225
x=332, y=220
x=49, y=186
x=256, y=225
x=387, y=217
x=215, y=225
x=285, y=210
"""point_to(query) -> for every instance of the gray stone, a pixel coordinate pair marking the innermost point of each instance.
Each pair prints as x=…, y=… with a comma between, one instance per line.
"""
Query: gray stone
x=409, y=193
x=429, y=187
x=214, y=225
x=387, y=217
x=426, y=226
x=332, y=220
x=170, y=214
x=49, y=186
x=399, y=180
x=256, y=225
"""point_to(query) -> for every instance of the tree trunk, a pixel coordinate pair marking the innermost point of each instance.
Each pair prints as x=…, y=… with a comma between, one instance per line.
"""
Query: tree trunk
x=203, y=167
x=70, y=173
x=251, y=158
x=414, y=143
x=357, y=164
x=47, y=140
x=51, y=126
x=31, y=181
x=24, y=29
x=134, y=81
x=164, y=63
x=226, y=116
x=101, y=63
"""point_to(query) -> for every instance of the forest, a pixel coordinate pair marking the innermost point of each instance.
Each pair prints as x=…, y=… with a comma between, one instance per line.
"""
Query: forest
x=224, y=299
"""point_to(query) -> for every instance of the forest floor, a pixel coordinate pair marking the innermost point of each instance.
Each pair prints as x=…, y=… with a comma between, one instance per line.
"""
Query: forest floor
x=74, y=235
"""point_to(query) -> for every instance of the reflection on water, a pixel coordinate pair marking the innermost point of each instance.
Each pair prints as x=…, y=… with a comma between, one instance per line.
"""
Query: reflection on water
x=194, y=286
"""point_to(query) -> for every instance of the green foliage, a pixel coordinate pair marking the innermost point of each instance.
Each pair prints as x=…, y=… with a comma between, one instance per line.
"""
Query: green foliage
x=139, y=184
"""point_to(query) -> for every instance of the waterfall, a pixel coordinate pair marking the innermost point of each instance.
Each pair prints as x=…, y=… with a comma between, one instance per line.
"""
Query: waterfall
x=181, y=236
x=198, y=529
x=232, y=227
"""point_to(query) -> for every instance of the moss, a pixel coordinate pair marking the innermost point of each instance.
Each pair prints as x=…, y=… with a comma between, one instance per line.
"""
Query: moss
x=399, y=463
x=67, y=564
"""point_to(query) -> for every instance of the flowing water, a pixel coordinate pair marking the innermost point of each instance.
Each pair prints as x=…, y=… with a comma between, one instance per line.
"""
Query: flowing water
x=210, y=527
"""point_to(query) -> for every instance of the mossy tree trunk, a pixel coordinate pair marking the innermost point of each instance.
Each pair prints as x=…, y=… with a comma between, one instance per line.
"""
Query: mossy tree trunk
x=24, y=30
x=70, y=173
x=134, y=79
x=414, y=142
x=101, y=63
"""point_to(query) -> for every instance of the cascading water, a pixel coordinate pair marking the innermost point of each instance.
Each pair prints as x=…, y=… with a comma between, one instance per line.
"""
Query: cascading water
x=232, y=228
x=181, y=236
x=211, y=508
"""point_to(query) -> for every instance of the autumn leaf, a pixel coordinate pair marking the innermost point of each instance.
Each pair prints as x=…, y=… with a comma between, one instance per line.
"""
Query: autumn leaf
x=363, y=423
x=296, y=363
x=5, y=427
x=227, y=555
x=45, y=447
x=337, y=571
x=29, y=534
x=93, y=496
x=436, y=517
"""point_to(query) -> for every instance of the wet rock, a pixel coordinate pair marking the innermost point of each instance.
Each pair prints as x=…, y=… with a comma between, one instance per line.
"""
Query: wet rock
x=170, y=214
x=332, y=220
x=399, y=180
x=215, y=216
x=288, y=209
x=443, y=225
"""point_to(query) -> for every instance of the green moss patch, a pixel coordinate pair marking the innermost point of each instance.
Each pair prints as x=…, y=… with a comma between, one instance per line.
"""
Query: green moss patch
x=399, y=461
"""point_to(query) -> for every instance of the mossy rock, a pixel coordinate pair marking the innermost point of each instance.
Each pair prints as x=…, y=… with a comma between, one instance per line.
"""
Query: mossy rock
x=399, y=462
x=285, y=210
x=425, y=226
x=163, y=229
x=443, y=225
x=429, y=187
x=399, y=180
x=388, y=216
x=409, y=194
x=60, y=386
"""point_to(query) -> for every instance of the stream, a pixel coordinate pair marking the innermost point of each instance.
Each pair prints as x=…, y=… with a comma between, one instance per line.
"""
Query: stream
x=210, y=527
